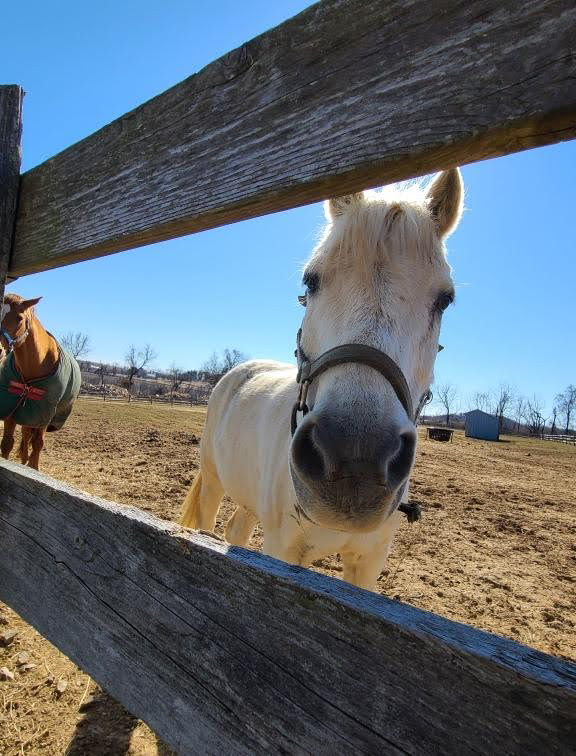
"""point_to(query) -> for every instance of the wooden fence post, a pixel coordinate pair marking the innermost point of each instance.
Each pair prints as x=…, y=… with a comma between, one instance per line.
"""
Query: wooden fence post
x=10, y=155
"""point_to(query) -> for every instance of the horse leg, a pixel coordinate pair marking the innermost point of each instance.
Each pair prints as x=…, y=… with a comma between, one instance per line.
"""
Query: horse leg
x=240, y=527
x=37, y=446
x=364, y=570
x=285, y=542
x=7, y=437
x=25, y=444
x=202, y=502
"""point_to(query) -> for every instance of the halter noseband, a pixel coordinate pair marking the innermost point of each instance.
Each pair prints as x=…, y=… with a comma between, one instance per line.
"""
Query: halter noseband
x=14, y=342
x=359, y=353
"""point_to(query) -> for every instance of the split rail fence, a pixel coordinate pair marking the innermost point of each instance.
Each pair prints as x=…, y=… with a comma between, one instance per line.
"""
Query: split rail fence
x=570, y=439
x=218, y=649
x=136, y=399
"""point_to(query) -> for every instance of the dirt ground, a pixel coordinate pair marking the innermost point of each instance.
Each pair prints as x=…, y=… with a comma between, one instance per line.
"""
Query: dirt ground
x=496, y=548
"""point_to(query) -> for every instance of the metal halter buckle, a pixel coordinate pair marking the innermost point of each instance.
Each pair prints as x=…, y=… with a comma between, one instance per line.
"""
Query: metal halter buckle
x=302, y=394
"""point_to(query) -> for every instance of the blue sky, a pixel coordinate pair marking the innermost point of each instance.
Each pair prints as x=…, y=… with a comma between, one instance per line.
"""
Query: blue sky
x=514, y=257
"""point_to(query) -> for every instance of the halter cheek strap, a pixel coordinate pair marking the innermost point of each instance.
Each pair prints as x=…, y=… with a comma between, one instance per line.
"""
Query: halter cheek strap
x=9, y=340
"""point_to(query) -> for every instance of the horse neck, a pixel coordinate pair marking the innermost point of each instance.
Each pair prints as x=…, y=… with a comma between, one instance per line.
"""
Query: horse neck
x=38, y=355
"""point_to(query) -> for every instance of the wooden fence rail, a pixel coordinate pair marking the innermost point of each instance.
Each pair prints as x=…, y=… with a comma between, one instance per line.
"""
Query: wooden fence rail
x=348, y=94
x=10, y=134
x=144, y=399
x=563, y=439
x=223, y=650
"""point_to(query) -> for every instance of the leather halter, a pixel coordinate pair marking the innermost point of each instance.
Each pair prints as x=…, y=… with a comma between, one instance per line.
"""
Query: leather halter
x=363, y=355
x=17, y=340
x=346, y=353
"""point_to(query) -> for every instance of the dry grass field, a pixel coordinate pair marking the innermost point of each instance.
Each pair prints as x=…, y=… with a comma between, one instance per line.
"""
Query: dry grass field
x=496, y=548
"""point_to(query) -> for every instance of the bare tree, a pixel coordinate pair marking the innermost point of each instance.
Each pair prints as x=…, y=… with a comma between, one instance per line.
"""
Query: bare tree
x=215, y=367
x=212, y=369
x=176, y=376
x=566, y=403
x=519, y=411
x=231, y=358
x=534, y=416
x=101, y=372
x=554, y=415
x=482, y=401
x=137, y=360
x=78, y=344
x=502, y=399
x=446, y=395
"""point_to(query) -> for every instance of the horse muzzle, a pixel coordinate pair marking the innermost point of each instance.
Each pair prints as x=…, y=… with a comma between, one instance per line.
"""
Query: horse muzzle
x=348, y=479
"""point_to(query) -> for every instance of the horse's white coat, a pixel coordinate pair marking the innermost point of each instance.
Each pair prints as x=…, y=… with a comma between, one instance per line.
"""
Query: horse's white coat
x=4, y=312
x=382, y=271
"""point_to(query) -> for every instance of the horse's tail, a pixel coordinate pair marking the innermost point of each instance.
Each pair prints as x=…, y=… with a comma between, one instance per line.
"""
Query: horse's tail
x=191, y=509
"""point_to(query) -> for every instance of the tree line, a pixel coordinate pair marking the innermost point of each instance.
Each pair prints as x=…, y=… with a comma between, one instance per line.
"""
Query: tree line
x=139, y=360
x=525, y=413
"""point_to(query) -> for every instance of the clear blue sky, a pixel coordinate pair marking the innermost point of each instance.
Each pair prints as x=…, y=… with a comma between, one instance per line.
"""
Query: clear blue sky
x=84, y=64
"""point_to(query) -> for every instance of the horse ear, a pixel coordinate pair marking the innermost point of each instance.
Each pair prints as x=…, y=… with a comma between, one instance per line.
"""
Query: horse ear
x=26, y=304
x=339, y=205
x=445, y=200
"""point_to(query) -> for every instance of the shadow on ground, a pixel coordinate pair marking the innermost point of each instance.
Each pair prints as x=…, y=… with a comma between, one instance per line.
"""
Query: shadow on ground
x=107, y=729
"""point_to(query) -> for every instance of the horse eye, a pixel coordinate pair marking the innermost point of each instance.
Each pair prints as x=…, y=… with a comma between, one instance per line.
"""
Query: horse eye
x=444, y=301
x=311, y=281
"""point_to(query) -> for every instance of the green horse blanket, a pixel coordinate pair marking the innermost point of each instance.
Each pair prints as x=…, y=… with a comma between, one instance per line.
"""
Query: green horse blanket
x=44, y=402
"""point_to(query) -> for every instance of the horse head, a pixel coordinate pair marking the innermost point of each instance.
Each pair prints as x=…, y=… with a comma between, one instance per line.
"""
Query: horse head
x=15, y=319
x=378, y=278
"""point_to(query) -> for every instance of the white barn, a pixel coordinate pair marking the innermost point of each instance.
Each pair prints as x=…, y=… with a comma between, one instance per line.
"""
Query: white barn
x=480, y=424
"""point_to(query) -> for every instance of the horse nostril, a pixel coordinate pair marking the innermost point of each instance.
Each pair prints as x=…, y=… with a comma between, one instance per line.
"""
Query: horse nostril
x=306, y=454
x=399, y=465
x=325, y=452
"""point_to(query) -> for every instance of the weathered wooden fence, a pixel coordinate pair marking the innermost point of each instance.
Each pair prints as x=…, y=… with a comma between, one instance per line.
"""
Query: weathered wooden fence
x=150, y=399
x=561, y=438
x=219, y=649
x=222, y=650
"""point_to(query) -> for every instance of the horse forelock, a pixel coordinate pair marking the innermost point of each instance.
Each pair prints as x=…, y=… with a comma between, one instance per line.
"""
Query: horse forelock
x=10, y=298
x=386, y=226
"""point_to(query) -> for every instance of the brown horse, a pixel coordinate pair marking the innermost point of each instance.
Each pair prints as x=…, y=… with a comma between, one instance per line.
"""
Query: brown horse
x=39, y=380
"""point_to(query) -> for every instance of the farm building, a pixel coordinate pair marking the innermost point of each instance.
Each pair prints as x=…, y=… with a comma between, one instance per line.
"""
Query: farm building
x=480, y=424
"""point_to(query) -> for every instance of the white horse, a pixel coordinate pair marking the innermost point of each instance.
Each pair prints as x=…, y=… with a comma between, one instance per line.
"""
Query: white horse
x=377, y=284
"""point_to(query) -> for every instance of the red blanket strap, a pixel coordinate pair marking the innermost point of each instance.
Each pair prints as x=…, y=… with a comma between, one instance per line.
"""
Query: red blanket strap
x=24, y=390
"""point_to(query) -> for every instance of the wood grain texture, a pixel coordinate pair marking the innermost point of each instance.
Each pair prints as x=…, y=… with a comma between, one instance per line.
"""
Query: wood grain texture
x=223, y=650
x=11, y=97
x=346, y=95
